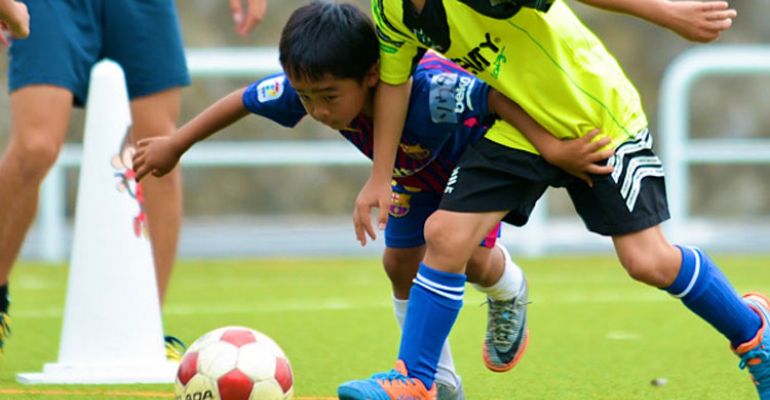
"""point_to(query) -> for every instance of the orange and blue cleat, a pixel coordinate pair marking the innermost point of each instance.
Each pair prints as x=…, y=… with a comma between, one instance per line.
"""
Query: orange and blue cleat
x=394, y=384
x=755, y=354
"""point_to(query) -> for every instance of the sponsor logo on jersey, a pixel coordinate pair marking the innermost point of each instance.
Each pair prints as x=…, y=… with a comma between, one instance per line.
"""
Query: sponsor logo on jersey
x=449, y=96
x=463, y=94
x=478, y=58
x=270, y=89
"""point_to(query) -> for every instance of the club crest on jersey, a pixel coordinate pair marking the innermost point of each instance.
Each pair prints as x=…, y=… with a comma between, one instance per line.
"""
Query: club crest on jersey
x=399, y=205
x=415, y=151
x=270, y=89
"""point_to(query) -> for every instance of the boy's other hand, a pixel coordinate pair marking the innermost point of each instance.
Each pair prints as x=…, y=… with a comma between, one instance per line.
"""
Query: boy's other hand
x=246, y=19
x=374, y=194
x=700, y=21
x=578, y=157
x=156, y=156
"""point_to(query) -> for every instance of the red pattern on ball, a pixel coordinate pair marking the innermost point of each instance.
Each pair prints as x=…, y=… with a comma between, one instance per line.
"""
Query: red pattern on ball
x=188, y=368
x=234, y=385
x=283, y=374
x=238, y=337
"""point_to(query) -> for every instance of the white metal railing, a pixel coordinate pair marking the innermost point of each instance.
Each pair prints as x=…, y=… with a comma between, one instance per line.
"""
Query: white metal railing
x=679, y=149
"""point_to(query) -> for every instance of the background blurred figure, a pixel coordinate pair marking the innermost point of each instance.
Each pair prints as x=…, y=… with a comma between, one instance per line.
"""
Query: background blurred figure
x=49, y=71
x=247, y=18
x=14, y=18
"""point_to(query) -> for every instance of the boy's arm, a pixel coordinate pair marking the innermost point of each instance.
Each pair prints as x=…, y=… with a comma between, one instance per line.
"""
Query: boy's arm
x=159, y=155
x=399, y=53
x=577, y=157
x=390, y=109
x=15, y=18
x=698, y=21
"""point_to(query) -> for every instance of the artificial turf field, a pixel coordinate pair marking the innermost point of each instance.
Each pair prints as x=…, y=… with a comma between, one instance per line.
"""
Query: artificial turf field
x=595, y=334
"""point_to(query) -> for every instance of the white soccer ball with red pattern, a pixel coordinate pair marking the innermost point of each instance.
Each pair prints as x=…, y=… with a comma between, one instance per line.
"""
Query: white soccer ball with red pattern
x=234, y=363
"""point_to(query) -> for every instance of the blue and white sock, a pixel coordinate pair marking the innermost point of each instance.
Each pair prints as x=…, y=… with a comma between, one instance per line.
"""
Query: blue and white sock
x=446, y=372
x=706, y=291
x=435, y=300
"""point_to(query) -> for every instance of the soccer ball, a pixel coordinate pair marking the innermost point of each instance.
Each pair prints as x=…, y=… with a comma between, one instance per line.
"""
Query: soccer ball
x=234, y=363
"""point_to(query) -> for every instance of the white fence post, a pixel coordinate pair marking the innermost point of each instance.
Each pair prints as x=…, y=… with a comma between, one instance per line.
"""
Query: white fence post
x=679, y=150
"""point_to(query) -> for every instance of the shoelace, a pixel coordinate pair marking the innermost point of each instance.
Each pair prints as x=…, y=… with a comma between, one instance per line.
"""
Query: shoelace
x=393, y=375
x=503, y=321
x=761, y=371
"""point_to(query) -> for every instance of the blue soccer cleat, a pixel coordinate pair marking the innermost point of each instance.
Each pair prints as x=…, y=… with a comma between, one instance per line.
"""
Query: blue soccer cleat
x=394, y=384
x=755, y=354
x=507, y=334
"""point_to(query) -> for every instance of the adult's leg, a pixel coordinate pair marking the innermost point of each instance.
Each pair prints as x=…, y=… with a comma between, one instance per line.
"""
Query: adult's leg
x=156, y=115
x=39, y=119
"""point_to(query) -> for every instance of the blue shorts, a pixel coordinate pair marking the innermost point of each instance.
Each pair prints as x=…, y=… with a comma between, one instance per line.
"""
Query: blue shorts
x=408, y=212
x=69, y=36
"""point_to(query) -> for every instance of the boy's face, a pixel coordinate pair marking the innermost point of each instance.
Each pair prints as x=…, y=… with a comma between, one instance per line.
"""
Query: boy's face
x=334, y=102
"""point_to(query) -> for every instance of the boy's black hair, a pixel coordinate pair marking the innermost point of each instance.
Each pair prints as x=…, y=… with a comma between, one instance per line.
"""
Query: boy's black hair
x=327, y=38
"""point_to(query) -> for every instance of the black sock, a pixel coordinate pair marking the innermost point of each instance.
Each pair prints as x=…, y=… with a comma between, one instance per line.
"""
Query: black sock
x=5, y=299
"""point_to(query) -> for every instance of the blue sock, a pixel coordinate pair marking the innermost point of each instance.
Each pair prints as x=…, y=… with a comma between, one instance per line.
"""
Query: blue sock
x=434, y=302
x=706, y=291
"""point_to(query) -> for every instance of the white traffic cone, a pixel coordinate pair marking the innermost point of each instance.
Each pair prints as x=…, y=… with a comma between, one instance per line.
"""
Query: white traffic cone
x=112, y=331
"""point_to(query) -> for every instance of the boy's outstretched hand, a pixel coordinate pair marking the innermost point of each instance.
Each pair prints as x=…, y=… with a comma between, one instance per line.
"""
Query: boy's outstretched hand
x=156, y=156
x=579, y=156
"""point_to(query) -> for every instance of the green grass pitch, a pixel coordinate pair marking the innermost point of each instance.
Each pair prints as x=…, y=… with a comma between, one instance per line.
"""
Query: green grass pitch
x=595, y=334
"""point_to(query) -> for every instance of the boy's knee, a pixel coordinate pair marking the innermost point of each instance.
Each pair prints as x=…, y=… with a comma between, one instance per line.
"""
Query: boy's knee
x=651, y=268
x=441, y=234
x=400, y=272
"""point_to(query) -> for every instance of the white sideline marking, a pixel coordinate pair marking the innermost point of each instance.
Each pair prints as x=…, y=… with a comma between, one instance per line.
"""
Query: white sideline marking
x=184, y=310
x=346, y=304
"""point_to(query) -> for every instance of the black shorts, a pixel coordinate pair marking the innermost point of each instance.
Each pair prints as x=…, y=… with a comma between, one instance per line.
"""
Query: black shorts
x=492, y=177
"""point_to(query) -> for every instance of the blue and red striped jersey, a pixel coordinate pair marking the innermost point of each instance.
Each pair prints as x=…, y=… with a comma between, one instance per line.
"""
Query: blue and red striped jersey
x=448, y=110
